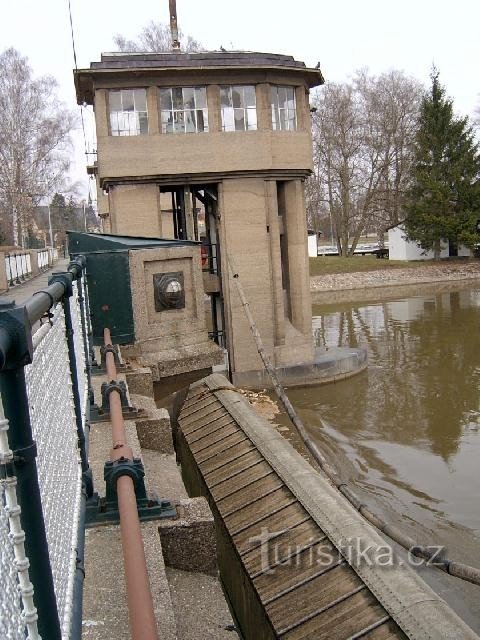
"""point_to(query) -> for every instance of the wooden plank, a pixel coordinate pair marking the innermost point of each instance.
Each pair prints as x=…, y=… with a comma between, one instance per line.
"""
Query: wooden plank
x=343, y=620
x=312, y=596
x=223, y=445
x=225, y=473
x=240, y=479
x=249, y=493
x=259, y=509
x=227, y=457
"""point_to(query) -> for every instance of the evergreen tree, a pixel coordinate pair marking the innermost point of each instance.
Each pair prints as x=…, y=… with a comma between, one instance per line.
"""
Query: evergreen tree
x=443, y=202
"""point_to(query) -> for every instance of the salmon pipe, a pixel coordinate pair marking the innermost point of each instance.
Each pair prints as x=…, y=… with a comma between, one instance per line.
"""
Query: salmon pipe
x=139, y=597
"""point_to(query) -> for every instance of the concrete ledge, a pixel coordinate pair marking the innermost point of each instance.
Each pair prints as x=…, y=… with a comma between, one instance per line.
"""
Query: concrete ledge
x=153, y=428
x=188, y=543
x=327, y=366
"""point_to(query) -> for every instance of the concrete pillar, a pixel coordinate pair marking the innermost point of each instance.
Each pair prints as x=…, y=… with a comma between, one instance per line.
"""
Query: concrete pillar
x=213, y=104
x=188, y=214
x=264, y=107
x=3, y=273
x=295, y=226
x=101, y=113
x=243, y=235
x=275, y=260
x=152, y=110
x=303, y=109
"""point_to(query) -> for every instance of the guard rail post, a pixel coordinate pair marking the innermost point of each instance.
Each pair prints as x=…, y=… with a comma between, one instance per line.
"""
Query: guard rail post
x=16, y=351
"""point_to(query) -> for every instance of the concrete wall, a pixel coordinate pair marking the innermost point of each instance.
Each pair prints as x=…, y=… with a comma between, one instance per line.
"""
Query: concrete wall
x=200, y=153
x=135, y=210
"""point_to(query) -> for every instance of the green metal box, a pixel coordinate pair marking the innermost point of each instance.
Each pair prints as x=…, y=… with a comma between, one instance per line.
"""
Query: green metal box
x=108, y=279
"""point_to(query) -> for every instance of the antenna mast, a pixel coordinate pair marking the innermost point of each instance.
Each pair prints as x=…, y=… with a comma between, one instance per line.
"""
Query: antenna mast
x=173, y=25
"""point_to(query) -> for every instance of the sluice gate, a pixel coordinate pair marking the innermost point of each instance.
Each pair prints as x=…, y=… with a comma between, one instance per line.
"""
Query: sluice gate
x=290, y=546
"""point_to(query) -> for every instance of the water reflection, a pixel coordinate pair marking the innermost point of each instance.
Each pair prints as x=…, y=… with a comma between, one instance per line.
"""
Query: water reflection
x=407, y=431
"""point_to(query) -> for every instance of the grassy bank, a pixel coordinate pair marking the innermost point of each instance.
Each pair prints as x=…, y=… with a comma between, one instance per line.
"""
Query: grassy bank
x=337, y=264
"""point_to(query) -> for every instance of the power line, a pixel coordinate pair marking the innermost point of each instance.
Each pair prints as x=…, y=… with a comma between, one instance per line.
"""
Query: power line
x=76, y=69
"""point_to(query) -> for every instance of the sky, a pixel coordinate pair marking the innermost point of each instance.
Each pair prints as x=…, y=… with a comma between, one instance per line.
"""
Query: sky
x=343, y=35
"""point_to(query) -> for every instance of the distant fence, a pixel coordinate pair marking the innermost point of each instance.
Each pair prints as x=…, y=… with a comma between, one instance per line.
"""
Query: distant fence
x=44, y=474
x=18, y=266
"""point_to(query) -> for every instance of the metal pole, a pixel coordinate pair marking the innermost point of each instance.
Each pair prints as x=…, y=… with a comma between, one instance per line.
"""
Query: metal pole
x=15, y=402
x=50, y=226
x=139, y=597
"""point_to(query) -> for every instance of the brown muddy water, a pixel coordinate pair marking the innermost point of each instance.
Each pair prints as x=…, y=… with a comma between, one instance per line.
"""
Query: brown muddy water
x=406, y=432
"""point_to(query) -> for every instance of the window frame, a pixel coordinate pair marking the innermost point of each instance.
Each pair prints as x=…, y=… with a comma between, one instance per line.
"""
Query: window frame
x=281, y=115
x=140, y=115
x=175, y=112
x=245, y=108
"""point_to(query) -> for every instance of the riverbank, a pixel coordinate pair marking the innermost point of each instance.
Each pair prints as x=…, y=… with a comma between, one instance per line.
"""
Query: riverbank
x=336, y=287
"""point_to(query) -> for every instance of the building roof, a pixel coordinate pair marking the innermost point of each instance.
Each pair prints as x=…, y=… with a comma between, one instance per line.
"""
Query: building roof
x=127, y=63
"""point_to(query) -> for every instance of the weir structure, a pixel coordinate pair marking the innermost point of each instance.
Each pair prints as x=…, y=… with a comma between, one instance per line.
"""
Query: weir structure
x=215, y=147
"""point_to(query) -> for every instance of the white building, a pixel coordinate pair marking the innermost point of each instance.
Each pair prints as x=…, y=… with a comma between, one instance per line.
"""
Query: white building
x=402, y=249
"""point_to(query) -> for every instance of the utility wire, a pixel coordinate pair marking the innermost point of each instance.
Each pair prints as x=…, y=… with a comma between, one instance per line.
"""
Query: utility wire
x=76, y=69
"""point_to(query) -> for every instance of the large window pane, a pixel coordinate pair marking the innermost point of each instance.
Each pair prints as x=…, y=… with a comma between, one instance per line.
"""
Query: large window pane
x=225, y=97
x=201, y=98
x=243, y=116
x=115, y=101
x=251, y=119
x=127, y=101
x=140, y=99
x=128, y=112
x=179, y=110
x=237, y=97
x=249, y=96
x=177, y=98
x=165, y=99
x=188, y=98
x=284, y=114
x=239, y=120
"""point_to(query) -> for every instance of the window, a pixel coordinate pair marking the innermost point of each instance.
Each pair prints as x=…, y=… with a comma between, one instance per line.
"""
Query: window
x=239, y=112
x=128, y=112
x=183, y=110
x=284, y=112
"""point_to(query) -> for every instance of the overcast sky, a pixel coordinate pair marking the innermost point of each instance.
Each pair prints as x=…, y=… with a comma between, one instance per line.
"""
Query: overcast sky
x=343, y=35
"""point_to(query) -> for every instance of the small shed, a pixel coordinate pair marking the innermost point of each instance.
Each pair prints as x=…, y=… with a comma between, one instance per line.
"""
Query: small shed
x=313, y=237
x=400, y=248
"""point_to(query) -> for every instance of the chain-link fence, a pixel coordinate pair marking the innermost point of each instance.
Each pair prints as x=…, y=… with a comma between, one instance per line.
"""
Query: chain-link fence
x=45, y=409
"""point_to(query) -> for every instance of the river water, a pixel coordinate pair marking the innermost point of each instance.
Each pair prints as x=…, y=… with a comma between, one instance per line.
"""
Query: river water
x=406, y=432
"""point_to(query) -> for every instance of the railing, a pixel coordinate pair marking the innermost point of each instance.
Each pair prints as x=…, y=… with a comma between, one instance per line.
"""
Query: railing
x=44, y=472
x=18, y=266
x=42, y=257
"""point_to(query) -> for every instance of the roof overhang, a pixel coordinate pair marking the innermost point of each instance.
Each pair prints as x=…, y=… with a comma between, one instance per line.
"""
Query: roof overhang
x=115, y=67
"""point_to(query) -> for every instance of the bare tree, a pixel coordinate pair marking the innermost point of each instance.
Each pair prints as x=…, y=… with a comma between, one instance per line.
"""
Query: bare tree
x=363, y=133
x=34, y=141
x=155, y=37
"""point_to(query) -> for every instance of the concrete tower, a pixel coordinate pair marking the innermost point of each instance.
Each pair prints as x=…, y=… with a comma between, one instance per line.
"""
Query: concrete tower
x=215, y=147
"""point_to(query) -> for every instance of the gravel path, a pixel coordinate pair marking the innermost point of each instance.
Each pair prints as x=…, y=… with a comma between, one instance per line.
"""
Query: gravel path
x=390, y=277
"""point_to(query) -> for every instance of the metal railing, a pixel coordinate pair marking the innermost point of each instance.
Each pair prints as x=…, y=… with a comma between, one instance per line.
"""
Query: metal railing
x=44, y=472
x=18, y=266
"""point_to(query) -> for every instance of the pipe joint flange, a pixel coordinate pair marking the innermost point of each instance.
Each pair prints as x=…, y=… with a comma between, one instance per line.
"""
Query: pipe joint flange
x=114, y=470
x=114, y=385
x=109, y=348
